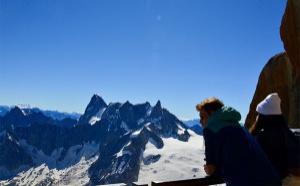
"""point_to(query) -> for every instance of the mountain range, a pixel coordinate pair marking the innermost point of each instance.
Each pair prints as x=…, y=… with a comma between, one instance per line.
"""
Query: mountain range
x=107, y=144
x=50, y=113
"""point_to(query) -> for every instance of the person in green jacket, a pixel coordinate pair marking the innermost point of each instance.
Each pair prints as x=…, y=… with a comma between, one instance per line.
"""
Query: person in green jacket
x=231, y=152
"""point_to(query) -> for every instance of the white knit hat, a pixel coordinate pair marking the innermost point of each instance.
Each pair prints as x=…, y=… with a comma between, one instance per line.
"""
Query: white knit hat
x=270, y=105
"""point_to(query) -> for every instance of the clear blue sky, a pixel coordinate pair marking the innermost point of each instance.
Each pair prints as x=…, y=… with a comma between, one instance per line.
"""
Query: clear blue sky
x=56, y=54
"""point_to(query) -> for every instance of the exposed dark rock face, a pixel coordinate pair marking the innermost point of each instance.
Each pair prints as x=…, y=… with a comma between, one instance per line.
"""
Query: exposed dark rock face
x=290, y=35
x=282, y=73
x=124, y=165
x=12, y=156
x=96, y=105
x=290, y=32
x=151, y=159
x=276, y=76
x=67, y=122
x=19, y=118
x=197, y=129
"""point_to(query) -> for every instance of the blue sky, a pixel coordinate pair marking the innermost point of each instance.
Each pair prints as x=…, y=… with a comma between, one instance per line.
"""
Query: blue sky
x=56, y=54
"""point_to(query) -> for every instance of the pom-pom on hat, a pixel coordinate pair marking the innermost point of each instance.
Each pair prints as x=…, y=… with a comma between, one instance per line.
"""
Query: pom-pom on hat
x=270, y=105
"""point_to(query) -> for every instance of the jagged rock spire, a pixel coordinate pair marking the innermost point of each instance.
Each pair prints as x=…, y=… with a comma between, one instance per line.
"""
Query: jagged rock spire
x=96, y=104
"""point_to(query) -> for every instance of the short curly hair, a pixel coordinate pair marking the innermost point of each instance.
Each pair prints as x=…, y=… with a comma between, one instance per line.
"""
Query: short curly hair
x=210, y=105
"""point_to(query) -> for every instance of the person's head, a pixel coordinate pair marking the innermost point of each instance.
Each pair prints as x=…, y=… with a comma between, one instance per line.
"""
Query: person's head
x=207, y=107
x=270, y=105
x=267, y=110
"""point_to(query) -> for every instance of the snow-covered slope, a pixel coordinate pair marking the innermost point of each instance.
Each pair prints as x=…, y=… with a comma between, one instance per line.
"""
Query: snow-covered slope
x=175, y=161
x=72, y=170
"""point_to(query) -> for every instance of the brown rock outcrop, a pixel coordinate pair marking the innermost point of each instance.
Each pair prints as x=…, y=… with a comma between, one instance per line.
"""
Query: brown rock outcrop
x=290, y=32
x=290, y=35
x=282, y=72
x=276, y=76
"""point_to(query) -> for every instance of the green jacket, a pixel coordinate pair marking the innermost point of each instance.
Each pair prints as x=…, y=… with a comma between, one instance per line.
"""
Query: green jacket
x=226, y=116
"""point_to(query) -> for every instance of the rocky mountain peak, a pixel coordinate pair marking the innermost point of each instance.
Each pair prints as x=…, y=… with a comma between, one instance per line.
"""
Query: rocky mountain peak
x=157, y=110
x=97, y=100
x=16, y=112
x=158, y=104
x=95, y=108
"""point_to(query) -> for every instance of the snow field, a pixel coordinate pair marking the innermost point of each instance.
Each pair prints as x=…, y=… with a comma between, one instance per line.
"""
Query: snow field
x=179, y=160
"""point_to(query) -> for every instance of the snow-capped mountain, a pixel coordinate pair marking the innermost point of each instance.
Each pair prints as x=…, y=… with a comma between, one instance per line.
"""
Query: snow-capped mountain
x=56, y=115
x=190, y=122
x=115, y=143
x=197, y=129
x=194, y=125
x=93, y=111
x=18, y=117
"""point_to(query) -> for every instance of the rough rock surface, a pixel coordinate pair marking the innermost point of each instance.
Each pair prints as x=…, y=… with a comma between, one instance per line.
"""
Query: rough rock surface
x=282, y=72
x=290, y=35
x=276, y=76
x=290, y=32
